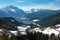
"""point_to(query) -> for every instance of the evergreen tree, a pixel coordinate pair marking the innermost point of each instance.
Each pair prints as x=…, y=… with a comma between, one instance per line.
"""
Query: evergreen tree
x=13, y=37
x=52, y=37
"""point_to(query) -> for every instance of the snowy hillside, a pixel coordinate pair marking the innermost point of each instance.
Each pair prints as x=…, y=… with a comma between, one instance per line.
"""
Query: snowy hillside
x=49, y=30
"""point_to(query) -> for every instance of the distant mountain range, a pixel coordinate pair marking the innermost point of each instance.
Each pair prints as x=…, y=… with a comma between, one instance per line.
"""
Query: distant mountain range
x=50, y=20
x=15, y=16
x=41, y=14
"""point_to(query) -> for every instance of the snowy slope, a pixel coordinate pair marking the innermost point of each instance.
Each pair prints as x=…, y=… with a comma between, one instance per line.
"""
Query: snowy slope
x=50, y=31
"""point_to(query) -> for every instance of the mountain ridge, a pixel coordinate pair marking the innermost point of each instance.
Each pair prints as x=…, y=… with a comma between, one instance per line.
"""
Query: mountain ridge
x=20, y=15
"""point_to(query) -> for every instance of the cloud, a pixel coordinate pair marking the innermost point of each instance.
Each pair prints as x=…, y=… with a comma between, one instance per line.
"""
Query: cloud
x=18, y=1
x=55, y=3
x=52, y=6
x=38, y=6
x=21, y=0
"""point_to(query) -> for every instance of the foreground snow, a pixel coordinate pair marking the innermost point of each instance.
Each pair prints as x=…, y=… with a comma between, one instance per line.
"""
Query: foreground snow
x=48, y=30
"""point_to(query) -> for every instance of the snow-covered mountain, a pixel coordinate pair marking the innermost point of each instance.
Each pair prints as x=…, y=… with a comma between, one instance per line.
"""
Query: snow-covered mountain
x=13, y=11
x=40, y=13
x=3, y=14
x=44, y=16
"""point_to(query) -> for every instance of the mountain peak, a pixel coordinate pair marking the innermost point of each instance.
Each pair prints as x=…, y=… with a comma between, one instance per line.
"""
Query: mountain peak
x=13, y=11
x=10, y=6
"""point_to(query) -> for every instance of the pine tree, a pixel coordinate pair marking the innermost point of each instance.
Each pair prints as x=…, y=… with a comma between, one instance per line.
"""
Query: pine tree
x=13, y=37
x=52, y=37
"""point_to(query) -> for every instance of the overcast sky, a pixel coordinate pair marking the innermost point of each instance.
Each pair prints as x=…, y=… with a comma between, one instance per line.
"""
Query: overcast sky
x=29, y=4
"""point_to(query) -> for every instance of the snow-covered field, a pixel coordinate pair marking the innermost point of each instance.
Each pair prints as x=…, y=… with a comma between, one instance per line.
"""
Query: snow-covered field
x=48, y=30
